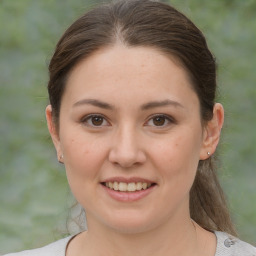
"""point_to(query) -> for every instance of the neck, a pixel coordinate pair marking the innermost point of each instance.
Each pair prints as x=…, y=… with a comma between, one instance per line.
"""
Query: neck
x=172, y=239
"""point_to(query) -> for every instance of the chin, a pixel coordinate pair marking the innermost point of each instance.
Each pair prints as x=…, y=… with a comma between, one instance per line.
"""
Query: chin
x=131, y=228
x=130, y=224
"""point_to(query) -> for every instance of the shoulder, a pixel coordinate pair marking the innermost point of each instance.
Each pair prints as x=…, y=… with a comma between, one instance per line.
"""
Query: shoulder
x=228, y=245
x=57, y=248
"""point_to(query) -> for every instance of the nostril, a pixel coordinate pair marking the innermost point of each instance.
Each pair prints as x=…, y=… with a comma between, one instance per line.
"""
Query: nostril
x=127, y=159
x=126, y=150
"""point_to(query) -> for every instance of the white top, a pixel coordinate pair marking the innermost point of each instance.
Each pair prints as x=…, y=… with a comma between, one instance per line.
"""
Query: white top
x=227, y=245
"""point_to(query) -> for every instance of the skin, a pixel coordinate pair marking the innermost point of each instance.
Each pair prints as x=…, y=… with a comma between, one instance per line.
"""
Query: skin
x=129, y=142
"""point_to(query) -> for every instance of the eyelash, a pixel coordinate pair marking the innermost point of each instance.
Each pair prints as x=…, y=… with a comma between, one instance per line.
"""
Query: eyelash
x=89, y=117
x=167, y=118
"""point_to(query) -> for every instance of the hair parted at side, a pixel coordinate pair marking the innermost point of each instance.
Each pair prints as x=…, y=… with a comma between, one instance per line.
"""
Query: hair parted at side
x=160, y=26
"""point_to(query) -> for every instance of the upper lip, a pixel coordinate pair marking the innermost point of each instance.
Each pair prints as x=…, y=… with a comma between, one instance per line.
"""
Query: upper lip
x=128, y=180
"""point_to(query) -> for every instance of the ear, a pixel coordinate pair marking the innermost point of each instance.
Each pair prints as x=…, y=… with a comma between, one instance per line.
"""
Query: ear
x=53, y=131
x=212, y=131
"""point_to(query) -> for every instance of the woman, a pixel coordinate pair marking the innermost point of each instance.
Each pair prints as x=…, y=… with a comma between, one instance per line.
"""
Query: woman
x=134, y=120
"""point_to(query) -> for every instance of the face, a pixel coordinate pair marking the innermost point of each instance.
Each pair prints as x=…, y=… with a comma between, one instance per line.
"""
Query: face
x=131, y=136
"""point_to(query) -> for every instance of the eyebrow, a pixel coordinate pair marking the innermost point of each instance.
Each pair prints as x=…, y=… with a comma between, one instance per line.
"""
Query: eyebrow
x=146, y=106
x=156, y=104
x=94, y=102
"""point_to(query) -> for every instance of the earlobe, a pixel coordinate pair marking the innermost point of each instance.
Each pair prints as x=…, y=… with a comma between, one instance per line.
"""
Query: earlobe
x=212, y=132
x=53, y=130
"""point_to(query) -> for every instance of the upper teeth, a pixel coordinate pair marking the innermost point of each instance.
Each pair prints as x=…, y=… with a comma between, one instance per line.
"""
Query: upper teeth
x=122, y=186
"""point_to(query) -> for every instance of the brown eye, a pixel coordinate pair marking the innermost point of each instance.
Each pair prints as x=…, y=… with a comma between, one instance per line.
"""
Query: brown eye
x=95, y=121
x=159, y=121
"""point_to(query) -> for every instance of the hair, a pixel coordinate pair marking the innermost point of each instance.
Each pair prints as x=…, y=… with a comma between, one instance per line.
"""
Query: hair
x=160, y=26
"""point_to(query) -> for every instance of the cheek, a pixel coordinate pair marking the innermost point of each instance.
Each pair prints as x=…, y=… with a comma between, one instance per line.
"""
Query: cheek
x=83, y=162
x=176, y=159
x=83, y=157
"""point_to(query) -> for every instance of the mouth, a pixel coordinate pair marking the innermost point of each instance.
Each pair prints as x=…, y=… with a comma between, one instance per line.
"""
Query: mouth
x=128, y=187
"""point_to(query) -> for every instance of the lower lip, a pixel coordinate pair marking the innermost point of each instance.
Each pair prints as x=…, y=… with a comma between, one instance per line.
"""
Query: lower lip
x=128, y=196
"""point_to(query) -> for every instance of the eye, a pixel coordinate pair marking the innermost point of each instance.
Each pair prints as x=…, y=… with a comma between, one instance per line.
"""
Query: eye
x=160, y=121
x=95, y=121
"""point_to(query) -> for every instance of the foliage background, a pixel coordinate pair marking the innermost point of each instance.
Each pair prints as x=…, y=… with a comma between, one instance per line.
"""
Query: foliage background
x=34, y=194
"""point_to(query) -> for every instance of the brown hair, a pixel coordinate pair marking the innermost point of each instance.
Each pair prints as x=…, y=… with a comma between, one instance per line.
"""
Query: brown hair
x=158, y=25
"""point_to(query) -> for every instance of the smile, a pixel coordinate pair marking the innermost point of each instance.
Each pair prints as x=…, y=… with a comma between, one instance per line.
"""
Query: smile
x=127, y=187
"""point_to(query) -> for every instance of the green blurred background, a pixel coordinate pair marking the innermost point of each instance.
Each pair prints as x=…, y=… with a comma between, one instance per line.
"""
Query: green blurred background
x=34, y=194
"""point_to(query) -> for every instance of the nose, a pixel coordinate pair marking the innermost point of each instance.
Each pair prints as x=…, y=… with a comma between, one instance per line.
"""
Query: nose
x=125, y=150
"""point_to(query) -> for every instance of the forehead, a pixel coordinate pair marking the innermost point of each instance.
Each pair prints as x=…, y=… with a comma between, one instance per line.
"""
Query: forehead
x=129, y=72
